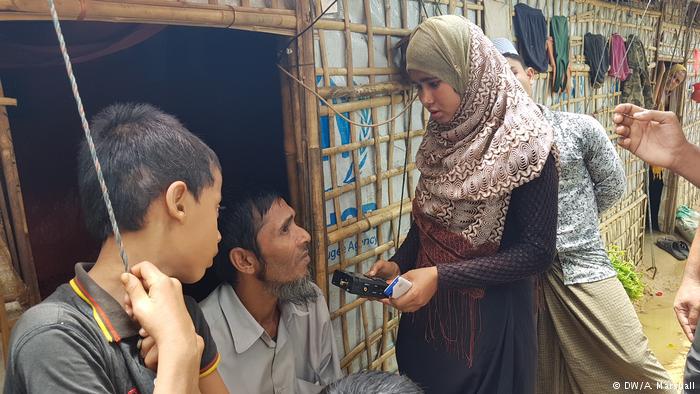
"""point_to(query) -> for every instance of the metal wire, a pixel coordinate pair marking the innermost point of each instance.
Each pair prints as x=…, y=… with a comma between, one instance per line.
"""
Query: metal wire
x=88, y=137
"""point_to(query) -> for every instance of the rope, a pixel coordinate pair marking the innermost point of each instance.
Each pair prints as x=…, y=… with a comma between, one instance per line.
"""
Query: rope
x=88, y=137
x=332, y=108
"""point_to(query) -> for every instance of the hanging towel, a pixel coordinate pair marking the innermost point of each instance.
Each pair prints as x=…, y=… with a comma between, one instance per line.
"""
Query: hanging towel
x=595, y=49
x=560, y=33
x=637, y=88
x=531, y=32
x=618, y=61
x=495, y=24
x=696, y=61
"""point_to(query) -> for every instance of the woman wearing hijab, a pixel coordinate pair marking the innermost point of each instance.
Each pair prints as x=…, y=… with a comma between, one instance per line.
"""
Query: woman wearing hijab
x=668, y=83
x=484, y=219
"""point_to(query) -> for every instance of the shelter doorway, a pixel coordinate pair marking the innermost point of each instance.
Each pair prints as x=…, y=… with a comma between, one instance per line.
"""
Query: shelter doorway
x=222, y=84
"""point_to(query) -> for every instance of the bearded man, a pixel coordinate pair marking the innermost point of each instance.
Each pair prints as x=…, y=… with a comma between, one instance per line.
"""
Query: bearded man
x=269, y=320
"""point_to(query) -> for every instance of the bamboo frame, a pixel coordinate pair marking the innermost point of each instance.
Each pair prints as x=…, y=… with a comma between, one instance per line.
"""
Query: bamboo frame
x=311, y=120
x=16, y=202
x=278, y=21
x=6, y=101
x=290, y=146
x=370, y=89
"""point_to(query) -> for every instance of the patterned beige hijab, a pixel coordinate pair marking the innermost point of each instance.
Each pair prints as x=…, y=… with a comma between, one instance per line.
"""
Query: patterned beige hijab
x=497, y=140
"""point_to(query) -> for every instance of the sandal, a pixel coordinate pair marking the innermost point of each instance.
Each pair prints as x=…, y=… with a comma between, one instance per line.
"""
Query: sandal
x=677, y=249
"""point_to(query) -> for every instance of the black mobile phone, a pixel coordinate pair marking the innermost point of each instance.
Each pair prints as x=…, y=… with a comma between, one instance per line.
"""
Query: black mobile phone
x=359, y=284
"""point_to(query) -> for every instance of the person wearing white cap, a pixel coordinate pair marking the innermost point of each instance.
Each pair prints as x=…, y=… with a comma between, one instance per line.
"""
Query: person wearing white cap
x=588, y=331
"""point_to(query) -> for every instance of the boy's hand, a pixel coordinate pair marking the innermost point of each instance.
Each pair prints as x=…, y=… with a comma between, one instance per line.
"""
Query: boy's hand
x=153, y=298
x=156, y=302
x=148, y=350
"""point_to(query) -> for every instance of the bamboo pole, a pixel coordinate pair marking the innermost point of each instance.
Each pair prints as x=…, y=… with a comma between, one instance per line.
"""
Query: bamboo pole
x=365, y=327
x=297, y=124
x=369, y=89
x=359, y=70
x=613, y=5
x=171, y=13
x=358, y=105
x=362, y=256
x=335, y=192
x=370, y=220
x=345, y=308
x=290, y=146
x=373, y=337
x=7, y=231
x=333, y=175
x=311, y=120
x=378, y=250
x=17, y=213
x=327, y=24
x=378, y=189
x=353, y=128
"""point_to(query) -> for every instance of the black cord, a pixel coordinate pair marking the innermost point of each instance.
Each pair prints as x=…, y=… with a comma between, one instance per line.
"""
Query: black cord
x=306, y=28
x=405, y=174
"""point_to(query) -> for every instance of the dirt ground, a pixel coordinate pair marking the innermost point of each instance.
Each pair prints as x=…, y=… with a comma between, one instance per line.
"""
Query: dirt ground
x=655, y=310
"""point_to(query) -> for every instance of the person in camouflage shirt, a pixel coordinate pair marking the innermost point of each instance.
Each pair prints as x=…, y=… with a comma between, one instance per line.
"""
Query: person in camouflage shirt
x=637, y=88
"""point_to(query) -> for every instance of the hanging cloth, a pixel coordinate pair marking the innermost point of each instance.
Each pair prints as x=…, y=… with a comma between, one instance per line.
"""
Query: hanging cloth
x=696, y=61
x=637, y=88
x=531, y=32
x=560, y=32
x=495, y=24
x=595, y=49
x=618, y=61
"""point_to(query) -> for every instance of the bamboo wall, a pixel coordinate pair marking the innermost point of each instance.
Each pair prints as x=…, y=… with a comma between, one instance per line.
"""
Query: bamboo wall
x=677, y=44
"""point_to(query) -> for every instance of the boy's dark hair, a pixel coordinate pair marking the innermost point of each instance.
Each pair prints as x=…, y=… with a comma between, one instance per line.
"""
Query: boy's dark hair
x=517, y=57
x=239, y=224
x=142, y=150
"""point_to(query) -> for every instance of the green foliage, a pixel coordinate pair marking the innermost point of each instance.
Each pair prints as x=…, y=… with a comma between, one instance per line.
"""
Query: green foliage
x=626, y=272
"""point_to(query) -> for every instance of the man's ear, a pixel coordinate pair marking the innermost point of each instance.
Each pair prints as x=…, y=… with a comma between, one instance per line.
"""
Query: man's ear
x=243, y=260
x=175, y=197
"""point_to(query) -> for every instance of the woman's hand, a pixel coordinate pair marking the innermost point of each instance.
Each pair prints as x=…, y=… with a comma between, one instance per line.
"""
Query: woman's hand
x=387, y=270
x=425, y=281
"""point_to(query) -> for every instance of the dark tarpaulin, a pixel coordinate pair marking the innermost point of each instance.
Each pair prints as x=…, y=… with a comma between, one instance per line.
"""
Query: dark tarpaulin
x=34, y=44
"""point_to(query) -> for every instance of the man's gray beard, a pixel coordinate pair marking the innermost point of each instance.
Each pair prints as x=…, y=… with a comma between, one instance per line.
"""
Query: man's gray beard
x=298, y=292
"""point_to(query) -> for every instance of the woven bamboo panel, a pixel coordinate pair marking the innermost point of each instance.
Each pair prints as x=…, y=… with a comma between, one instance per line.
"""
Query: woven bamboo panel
x=367, y=197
